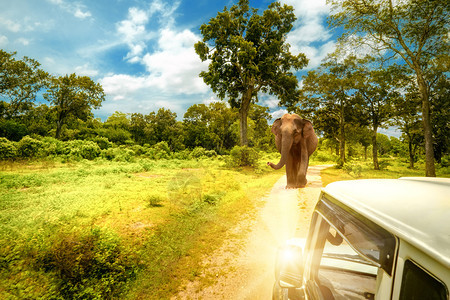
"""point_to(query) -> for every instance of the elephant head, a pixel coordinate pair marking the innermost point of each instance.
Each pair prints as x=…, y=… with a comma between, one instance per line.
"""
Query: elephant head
x=296, y=141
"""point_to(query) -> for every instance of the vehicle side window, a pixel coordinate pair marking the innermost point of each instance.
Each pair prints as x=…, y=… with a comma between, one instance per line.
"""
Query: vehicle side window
x=343, y=273
x=418, y=284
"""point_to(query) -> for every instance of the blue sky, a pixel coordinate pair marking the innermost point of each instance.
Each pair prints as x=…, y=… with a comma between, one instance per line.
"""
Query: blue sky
x=141, y=51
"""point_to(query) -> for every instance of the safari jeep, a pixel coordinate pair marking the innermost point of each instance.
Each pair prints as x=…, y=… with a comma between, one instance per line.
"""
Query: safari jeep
x=372, y=239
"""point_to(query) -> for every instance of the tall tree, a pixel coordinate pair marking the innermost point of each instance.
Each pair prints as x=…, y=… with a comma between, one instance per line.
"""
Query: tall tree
x=414, y=31
x=20, y=80
x=377, y=90
x=248, y=53
x=329, y=92
x=73, y=96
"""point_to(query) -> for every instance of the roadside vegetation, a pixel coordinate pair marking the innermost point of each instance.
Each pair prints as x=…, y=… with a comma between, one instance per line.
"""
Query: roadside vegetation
x=101, y=229
x=79, y=223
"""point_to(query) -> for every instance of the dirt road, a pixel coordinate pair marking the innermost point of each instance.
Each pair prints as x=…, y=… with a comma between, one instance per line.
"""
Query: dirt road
x=244, y=269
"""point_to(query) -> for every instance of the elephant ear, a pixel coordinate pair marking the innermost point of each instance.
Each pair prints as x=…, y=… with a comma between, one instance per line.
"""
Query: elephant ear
x=308, y=130
x=305, y=127
x=276, y=126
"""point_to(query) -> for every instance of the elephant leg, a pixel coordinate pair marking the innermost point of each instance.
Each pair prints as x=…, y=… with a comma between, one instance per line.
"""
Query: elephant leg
x=302, y=166
x=291, y=173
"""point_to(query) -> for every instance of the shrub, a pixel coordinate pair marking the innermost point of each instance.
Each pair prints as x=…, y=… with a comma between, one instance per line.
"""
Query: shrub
x=8, y=149
x=52, y=146
x=12, y=130
x=83, y=149
x=124, y=154
x=28, y=147
x=243, y=156
x=103, y=142
x=155, y=201
x=353, y=168
x=92, y=265
x=160, y=151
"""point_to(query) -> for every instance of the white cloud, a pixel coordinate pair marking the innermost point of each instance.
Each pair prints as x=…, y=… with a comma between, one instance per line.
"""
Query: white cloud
x=3, y=41
x=120, y=86
x=317, y=54
x=175, y=66
x=278, y=114
x=23, y=41
x=271, y=102
x=86, y=70
x=10, y=25
x=81, y=15
x=75, y=8
x=309, y=30
x=172, y=67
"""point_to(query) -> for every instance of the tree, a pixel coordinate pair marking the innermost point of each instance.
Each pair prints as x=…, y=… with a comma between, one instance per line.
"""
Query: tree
x=376, y=90
x=248, y=54
x=20, y=80
x=413, y=31
x=263, y=137
x=329, y=92
x=210, y=126
x=73, y=96
x=163, y=126
x=440, y=107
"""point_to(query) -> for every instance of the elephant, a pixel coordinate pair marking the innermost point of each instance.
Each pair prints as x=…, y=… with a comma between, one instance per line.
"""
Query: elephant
x=296, y=141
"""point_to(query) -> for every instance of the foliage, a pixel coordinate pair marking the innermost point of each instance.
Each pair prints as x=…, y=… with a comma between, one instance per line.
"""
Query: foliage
x=8, y=149
x=413, y=32
x=248, y=53
x=91, y=265
x=73, y=96
x=12, y=130
x=241, y=156
x=28, y=147
x=20, y=80
x=109, y=230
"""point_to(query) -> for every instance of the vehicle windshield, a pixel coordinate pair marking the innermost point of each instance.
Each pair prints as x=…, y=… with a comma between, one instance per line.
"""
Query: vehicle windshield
x=343, y=273
x=368, y=239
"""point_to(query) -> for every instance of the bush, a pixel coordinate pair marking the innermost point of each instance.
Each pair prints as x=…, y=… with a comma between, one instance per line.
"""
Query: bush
x=12, y=130
x=8, y=149
x=103, y=142
x=353, y=168
x=28, y=147
x=200, y=152
x=87, y=266
x=123, y=154
x=83, y=149
x=52, y=146
x=243, y=156
x=160, y=151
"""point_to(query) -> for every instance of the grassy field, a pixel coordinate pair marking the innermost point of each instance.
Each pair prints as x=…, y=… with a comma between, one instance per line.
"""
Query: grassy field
x=101, y=229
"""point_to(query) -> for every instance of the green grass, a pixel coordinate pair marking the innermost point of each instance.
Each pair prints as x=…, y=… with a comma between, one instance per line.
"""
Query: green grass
x=389, y=168
x=101, y=229
x=130, y=229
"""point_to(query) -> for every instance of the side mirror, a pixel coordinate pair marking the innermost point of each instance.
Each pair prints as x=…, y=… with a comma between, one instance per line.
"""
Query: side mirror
x=289, y=264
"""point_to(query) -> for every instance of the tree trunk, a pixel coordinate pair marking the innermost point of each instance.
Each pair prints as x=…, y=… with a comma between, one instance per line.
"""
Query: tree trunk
x=59, y=124
x=376, y=166
x=426, y=121
x=342, y=134
x=243, y=113
x=411, y=152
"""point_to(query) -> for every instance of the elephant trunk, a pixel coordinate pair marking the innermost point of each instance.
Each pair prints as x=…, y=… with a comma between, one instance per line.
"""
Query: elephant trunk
x=285, y=148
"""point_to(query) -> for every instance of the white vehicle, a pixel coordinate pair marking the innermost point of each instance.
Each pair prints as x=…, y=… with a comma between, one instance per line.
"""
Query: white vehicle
x=372, y=239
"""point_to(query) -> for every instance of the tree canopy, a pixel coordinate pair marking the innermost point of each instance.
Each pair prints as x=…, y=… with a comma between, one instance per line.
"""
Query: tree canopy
x=75, y=96
x=412, y=31
x=248, y=54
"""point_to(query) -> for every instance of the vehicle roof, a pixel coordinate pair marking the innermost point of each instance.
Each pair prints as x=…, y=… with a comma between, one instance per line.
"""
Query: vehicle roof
x=416, y=210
